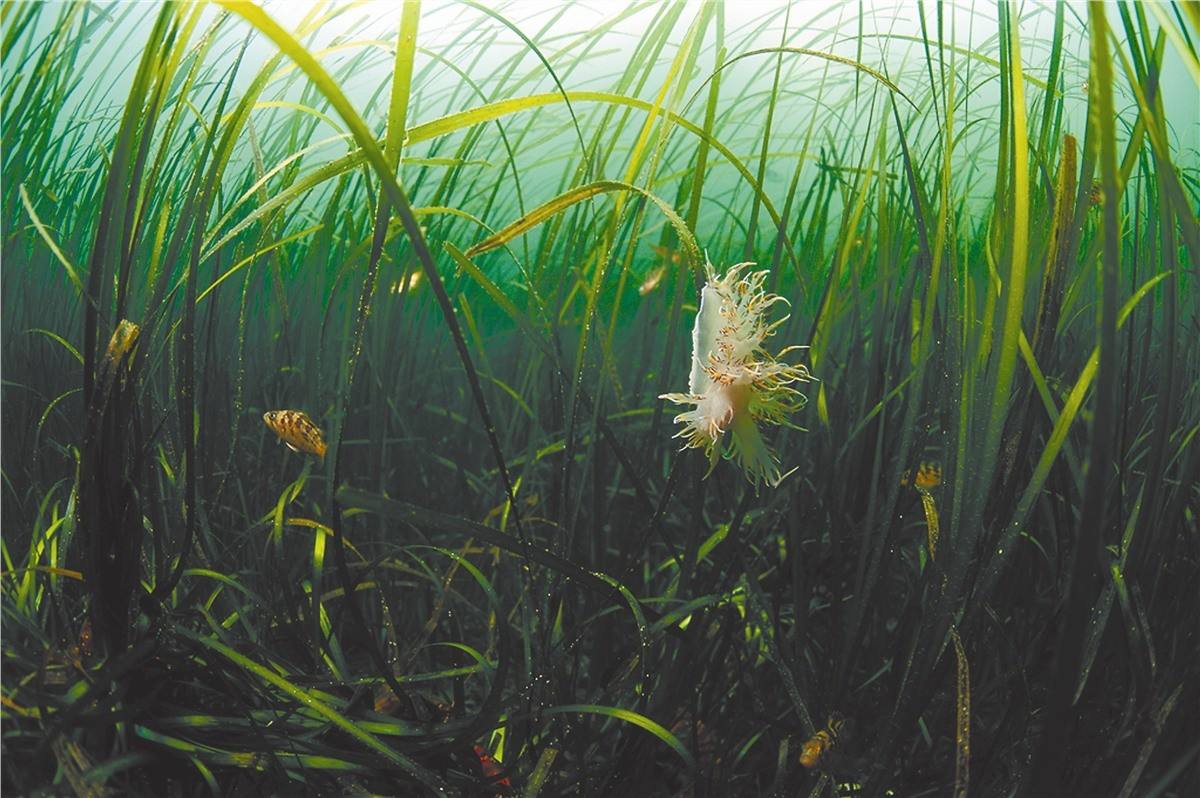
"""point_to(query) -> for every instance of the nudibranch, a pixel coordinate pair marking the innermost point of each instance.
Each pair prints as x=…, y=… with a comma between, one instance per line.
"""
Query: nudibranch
x=735, y=383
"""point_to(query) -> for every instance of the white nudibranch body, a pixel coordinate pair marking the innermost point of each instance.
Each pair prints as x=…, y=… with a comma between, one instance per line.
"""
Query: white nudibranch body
x=735, y=383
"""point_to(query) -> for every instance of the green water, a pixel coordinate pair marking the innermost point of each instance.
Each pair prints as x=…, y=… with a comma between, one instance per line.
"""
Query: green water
x=929, y=529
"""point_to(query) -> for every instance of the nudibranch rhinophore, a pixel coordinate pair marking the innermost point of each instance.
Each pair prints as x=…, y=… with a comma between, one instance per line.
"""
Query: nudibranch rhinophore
x=735, y=383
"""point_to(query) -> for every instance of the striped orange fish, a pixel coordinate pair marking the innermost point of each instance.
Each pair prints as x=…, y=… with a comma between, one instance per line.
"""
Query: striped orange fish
x=816, y=750
x=928, y=476
x=297, y=430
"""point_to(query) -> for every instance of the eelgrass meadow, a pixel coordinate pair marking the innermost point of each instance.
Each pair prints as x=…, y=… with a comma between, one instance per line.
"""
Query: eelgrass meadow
x=469, y=241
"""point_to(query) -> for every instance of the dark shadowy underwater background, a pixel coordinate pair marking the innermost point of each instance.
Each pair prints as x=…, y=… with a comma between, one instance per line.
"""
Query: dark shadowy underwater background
x=468, y=241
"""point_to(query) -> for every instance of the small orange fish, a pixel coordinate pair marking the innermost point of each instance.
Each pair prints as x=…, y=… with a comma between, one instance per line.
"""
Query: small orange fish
x=816, y=750
x=929, y=476
x=652, y=280
x=123, y=340
x=297, y=430
x=118, y=359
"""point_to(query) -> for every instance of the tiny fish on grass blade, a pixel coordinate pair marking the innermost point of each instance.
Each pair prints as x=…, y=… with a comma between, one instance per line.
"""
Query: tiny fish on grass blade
x=816, y=750
x=928, y=477
x=297, y=430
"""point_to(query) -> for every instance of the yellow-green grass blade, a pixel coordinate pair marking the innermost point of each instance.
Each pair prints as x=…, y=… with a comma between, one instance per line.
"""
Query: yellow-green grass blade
x=579, y=194
x=1054, y=444
x=306, y=699
x=68, y=267
x=631, y=717
x=396, y=195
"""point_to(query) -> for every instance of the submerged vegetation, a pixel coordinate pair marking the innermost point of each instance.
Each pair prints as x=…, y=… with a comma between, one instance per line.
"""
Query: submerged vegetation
x=486, y=569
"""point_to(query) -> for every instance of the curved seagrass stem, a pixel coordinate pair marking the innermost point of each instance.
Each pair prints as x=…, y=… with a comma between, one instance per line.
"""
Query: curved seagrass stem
x=394, y=141
x=396, y=195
